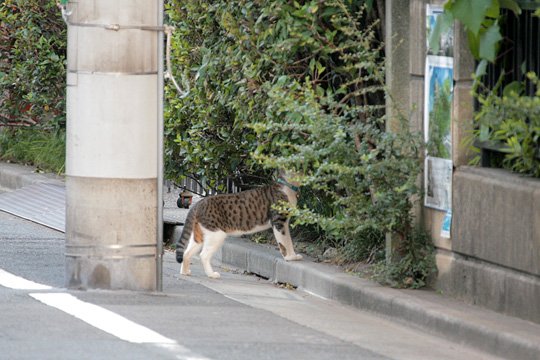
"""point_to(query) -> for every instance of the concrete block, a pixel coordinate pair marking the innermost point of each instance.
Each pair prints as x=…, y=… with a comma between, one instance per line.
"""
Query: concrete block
x=375, y=298
x=262, y=263
x=289, y=272
x=495, y=218
x=464, y=63
x=320, y=283
x=494, y=287
x=417, y=48
x=110, y=243
x=522, y=296
x=416, y=103
x=397, y=17
x=462, y=123
x=234, y=254
x=14, y=176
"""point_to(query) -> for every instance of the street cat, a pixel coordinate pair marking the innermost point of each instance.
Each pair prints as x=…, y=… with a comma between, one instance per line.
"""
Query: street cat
x=213, y=218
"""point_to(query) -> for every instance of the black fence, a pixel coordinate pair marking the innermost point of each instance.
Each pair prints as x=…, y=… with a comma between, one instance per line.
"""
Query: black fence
x=519, y=54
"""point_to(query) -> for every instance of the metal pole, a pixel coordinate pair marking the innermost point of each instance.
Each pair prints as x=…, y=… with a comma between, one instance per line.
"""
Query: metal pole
x=159, y=240
x=113, y=152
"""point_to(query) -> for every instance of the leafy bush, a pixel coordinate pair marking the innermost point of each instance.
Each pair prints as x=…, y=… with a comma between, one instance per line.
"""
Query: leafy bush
x=414, y=269
x=296, y=86
x=42, y=148
x=32, y=57
x=512, y=121
x=32, y=82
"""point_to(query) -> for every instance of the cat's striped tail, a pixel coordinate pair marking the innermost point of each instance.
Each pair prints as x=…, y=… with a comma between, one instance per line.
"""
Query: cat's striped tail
x=186, y=233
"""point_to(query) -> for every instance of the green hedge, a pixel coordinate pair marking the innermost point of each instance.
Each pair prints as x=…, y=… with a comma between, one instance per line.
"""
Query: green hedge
x=296, y=86
x=32, y=63
x=32, y=83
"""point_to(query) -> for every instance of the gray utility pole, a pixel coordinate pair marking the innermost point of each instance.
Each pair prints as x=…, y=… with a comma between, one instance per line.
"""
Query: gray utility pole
x=114, y=146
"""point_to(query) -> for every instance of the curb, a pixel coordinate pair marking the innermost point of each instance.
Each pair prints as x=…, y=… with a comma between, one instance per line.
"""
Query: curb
x=14, y=176
x=488, y=331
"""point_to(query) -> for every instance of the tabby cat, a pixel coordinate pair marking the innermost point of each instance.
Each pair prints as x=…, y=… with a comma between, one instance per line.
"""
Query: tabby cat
x=213, y=218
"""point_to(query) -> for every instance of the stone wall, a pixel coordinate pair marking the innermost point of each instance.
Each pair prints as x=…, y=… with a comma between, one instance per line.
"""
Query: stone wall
x=493, y=256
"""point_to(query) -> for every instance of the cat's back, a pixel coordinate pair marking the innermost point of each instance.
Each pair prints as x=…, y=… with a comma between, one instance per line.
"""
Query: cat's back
x=243, y=211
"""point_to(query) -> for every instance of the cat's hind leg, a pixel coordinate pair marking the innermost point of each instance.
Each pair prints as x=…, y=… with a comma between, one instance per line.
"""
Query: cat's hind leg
x=213, y=240
x=192, y=249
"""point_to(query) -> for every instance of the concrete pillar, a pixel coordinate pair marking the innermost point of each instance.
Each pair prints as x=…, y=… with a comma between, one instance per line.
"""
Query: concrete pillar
x=112, y=150
x=397, y=78
x=397, y=60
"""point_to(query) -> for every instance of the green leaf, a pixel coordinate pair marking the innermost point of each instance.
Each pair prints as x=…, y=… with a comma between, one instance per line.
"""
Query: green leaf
x=511, y=5
x=481, y=68
x=492, y=12
x=489, y=41
x=369, y=5
x=515, y=87
x=474, y=44
x=484, y=133
x=470, y=13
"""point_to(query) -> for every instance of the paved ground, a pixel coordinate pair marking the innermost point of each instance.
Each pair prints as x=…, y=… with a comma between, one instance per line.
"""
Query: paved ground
x=237, y=317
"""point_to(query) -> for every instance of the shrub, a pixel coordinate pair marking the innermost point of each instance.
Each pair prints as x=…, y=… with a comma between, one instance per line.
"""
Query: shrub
x=512, y=121
x=32, y=58
x=42, y=148
x=414, y=269
x=32, y=82
x=296, y=86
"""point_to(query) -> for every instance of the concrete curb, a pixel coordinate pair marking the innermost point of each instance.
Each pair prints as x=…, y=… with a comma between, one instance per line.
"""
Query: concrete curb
x=14, y=176
x=500, y=335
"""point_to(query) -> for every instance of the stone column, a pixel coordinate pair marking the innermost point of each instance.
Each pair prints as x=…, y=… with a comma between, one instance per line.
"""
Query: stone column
x=397, y=19
x=112, y=175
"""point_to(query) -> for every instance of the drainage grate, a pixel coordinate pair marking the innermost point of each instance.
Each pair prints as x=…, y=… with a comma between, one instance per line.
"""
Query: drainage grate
x=42, y=203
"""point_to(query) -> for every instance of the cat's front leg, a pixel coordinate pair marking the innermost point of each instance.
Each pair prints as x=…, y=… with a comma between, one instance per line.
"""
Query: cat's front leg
x=184, y=269
x=293, y=257
x=283, y=238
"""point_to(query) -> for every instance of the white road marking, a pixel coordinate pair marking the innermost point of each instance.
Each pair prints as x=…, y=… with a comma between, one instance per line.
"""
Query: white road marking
x=98, y=317
x=18, y=283
x=102, y=319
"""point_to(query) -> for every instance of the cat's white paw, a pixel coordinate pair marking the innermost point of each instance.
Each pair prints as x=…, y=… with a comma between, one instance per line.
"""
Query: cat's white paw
x=185, y=272
x=294, y=257
x=214, y=275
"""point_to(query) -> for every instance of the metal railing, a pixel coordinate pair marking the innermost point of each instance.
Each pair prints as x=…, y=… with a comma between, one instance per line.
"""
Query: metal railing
x=519, y=54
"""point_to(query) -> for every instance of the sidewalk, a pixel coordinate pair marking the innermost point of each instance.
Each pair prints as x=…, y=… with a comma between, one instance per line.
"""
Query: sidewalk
x=500, y=335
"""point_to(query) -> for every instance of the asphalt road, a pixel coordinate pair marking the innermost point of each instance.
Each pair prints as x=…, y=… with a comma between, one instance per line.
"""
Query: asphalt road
x=236, y=317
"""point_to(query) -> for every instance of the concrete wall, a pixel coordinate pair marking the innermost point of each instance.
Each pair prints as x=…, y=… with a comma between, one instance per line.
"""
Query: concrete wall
x=493, y=256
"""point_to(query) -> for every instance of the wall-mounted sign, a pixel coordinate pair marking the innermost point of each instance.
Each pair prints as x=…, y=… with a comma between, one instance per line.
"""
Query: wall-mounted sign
x=438, y=94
